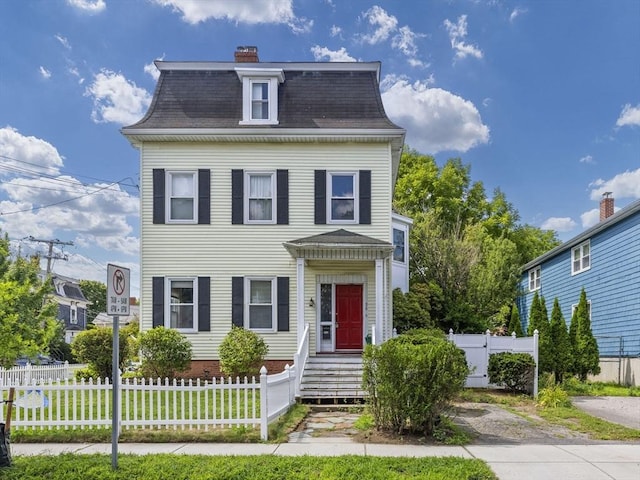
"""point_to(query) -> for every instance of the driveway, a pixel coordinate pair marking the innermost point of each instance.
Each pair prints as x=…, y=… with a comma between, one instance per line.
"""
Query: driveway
x=622, y=410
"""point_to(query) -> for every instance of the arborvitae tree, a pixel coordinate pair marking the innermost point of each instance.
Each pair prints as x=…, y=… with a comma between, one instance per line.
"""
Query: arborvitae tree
x=587, y=356
x=535, y=315
x=560, y=345
x=545, y=341
x=514, y=322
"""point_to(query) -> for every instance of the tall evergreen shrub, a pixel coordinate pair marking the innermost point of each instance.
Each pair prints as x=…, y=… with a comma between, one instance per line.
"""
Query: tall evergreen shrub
x=514, y=323
x=561, y=351
x=586, y=356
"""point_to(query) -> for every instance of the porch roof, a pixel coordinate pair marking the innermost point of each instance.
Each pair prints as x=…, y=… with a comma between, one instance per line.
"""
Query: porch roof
x=339, y=245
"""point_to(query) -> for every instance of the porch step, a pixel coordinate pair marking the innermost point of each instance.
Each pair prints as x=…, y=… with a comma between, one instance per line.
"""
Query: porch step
x=332, y=379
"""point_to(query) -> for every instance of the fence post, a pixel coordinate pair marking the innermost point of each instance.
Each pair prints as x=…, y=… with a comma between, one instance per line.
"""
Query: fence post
x=451, y=335
x=487, y=353
x=264, y=410
x=535, y=357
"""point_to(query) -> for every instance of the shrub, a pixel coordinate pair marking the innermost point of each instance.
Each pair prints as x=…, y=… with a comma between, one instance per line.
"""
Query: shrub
x=95, y=347
x=242, y=353
x=86, y=373
x=411, y=380
x=164, y=352
x=553, y=397
x=512, y=370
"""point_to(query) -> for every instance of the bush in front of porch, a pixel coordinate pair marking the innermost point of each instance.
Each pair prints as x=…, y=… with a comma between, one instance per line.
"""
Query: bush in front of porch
x=412, y=380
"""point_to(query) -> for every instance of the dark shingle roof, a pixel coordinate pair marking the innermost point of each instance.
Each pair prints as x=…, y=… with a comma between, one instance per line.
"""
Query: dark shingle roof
x=339, y=237
x=308, y=98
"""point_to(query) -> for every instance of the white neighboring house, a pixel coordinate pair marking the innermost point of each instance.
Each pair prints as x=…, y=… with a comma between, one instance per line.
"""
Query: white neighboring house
x=266, y=194
x=105, y=320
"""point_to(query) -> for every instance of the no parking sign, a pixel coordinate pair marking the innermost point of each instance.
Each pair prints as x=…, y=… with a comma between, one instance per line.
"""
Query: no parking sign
x=118, y=290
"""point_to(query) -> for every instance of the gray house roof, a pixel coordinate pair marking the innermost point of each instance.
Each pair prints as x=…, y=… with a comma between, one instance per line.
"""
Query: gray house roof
x=313, y=95
x=617, y=217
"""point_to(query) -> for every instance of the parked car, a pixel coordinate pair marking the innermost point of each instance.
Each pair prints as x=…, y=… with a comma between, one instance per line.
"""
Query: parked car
x=39, y=359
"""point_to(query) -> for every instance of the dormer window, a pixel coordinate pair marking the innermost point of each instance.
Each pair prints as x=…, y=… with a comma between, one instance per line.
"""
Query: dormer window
x=260, y=95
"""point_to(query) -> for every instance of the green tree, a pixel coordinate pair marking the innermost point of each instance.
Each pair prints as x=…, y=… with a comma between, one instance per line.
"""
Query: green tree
x=96, y=293
x=27, y=314
x=586, y=356
x=560, y=346
x=242, y=353
x=95, y=347
x=164, y=353
x=514, y=322
x=413, y=309
x=539, y=320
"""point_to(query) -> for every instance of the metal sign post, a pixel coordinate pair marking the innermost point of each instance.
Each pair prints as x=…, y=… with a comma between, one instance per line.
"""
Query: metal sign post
x=118, y=293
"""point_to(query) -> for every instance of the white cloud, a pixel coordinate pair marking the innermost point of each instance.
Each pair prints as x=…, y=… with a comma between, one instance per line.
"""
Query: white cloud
x=405, y=41
x=630, y=116
x=559, y=224
x=590, y=218
x=63, y=41
x=436, y=120
x=383, y=23
x=46, y=74
x=335, y=31
x=587, y=159
x=240, y=11
x=457, y=33
x=116, y=99
x=623, y=185
x=152, y=70
x=88, y=6
x=19, y=153
x=516, y=13
x=320, y=53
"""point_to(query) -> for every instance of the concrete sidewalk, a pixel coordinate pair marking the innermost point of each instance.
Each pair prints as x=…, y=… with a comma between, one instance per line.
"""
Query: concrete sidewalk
x=509, y=462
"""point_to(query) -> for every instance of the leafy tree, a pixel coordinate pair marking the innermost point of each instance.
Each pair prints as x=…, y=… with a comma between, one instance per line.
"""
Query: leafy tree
x=95, y=347
x=242, y=352
x=96, y=293
x=560, y=346
x=514, y=322
x=164, y=353
x=413, y=309
x=587, y=356
x=27, y=314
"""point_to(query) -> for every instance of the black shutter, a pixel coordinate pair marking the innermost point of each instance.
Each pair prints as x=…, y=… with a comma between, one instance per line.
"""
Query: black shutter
x=282, y=181
x=158, y=195
x=237, y=197
x=204, y=193
x=283, y=304
x=204, y=304
x=320, y=187
x=157, y=301
x=237, y=301
x=365, y=197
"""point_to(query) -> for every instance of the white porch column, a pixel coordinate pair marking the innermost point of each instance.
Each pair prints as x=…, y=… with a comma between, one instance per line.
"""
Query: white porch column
x=380, y=295
x=300, y=297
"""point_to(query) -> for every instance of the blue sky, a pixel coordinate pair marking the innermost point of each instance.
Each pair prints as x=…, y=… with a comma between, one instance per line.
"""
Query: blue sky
x=541, y=98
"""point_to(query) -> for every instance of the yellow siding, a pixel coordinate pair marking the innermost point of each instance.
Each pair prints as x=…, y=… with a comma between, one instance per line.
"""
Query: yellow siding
x=222, y=250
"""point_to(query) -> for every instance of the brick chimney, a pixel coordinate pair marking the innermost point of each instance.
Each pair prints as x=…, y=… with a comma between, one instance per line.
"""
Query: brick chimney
x=606, y=206
x=246, y=55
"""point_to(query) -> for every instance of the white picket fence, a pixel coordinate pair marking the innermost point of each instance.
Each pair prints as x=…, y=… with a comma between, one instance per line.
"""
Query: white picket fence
x=29, y=373
x=478, y=348
x=152, y=404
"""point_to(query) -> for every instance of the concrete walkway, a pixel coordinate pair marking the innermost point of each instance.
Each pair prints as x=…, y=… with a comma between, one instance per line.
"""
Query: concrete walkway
x=509, y=462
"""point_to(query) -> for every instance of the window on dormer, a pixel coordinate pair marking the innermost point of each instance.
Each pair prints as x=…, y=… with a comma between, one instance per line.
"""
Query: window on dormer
x=260, y=95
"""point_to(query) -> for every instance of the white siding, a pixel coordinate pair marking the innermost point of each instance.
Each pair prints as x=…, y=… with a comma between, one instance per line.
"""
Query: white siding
x=222, y=250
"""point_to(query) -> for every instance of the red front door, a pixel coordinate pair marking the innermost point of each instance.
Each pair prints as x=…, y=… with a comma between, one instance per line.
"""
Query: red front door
x=349, y=317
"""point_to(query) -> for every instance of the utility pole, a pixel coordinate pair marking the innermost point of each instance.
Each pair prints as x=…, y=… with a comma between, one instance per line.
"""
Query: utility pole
x=50, y=256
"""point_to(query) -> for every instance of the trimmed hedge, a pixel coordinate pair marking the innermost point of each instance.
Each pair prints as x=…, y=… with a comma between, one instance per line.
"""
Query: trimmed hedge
x=515, y=371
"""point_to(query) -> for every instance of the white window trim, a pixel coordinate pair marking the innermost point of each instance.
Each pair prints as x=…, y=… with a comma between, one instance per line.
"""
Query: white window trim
x=248, y=76
x=580, y=247
x=169, y=196
x=356, y=198
x=167, y=303
x=274, y=304
x=575, y=306
x=73, y=313
x=247, y=176
x=405, y=230
x=535, y=278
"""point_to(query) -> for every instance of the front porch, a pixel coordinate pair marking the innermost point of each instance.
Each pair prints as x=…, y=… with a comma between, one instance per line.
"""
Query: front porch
x=333, y=379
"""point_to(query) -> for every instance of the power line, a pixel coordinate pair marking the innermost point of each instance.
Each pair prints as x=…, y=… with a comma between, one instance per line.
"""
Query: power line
x=50, y=256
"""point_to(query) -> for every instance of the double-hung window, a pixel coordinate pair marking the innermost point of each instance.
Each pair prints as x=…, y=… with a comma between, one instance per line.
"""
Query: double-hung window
x=399, y=245
x=581, y=258
x=182, y=188
x=342, y=192
x=182, y=294
x=73, y=313
x=260, y=311
x=260, y=95
x=259, y=203
x=534, y=279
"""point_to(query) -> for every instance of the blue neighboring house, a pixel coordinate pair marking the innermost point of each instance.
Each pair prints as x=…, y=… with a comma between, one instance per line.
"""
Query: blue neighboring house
x=605, y=260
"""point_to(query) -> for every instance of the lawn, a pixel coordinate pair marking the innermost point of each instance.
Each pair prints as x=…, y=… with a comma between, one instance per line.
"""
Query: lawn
x=262, y=467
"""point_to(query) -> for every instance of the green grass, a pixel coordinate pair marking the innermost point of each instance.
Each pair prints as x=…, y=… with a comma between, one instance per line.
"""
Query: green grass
x=578, y=421
x=262, y=467
x=599, y=389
